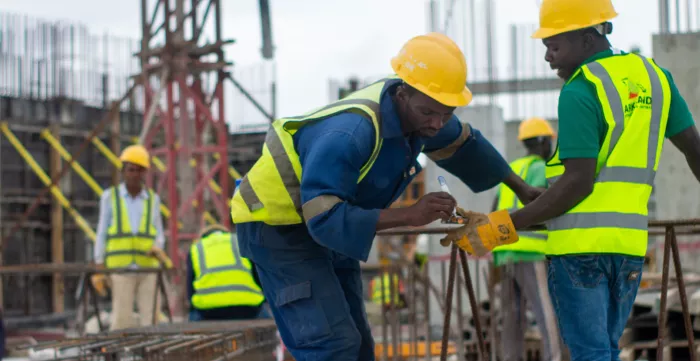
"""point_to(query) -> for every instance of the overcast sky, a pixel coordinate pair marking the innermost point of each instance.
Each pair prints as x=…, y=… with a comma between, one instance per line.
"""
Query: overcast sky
x=320, y=39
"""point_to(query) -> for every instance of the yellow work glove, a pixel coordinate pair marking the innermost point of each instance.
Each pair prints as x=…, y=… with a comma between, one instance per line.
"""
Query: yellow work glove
x=481, y=233
x=160, y=255
x=99, y=283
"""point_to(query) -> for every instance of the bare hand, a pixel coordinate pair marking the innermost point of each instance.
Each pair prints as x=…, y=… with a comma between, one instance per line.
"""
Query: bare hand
x=431, y=207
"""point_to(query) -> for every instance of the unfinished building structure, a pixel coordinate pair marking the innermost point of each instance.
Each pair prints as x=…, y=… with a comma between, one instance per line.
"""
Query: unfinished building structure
x=70, y=100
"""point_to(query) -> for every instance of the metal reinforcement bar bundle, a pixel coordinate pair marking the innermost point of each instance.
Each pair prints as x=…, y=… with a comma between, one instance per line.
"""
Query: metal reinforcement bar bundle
x=201, y=341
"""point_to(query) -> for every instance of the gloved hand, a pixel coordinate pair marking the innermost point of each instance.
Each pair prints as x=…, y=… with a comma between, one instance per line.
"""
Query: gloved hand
x=481, y=233
x=99, y=283
x=160, y=255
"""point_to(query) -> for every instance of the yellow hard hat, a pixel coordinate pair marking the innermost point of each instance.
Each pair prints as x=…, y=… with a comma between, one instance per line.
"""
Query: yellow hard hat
x=435, y=66
x=561, y=16
x=136, y=154
x=534, y=127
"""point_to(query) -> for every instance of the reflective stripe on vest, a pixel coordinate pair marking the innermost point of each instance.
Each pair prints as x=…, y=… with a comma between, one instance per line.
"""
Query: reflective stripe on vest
x=270, y=191
x=377, y=290
x=635, y=97
x=528, y=241
x=222, y=277
x=125, y=248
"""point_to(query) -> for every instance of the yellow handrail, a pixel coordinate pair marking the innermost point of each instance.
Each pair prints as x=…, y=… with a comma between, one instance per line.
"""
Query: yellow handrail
x=79, y=220
x=159, y=164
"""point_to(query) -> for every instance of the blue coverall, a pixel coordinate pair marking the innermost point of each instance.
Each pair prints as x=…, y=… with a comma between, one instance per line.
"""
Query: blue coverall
x=311, y=272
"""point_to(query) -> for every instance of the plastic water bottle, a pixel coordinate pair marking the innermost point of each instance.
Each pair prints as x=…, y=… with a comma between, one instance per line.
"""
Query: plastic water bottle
x=444, y=188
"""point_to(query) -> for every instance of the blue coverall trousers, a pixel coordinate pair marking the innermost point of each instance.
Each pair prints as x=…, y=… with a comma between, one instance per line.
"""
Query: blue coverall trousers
x=315, y=294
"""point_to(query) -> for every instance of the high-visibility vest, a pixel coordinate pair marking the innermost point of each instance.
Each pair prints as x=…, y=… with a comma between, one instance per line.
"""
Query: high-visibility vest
x=377, y=290
x=222, y=278
x=270, y=191
x=528, y=241
x=635, y=97
x=123, y=246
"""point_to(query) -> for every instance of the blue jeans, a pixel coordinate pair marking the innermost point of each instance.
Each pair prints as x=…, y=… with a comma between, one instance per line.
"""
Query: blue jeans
x=593, y=297
x=315, y=294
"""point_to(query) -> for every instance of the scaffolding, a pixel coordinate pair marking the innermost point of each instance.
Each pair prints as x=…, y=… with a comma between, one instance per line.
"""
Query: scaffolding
x=52, y=89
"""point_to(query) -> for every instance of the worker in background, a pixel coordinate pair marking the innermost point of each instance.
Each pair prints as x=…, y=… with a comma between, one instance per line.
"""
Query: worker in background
x=614, y=111
x=130, y=235
x=308, y=210
x=410, y=254
x=221, y=285
x=524, y=275
x=383, y=280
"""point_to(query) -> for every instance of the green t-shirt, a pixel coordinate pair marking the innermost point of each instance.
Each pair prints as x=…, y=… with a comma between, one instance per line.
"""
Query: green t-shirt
x=582, y=127
x=536, y=178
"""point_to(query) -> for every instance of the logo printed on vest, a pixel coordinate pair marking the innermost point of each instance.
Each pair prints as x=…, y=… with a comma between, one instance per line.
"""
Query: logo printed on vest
x=637, y=97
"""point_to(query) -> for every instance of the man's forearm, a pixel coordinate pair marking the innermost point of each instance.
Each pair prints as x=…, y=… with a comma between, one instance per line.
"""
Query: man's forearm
x=391, y=218
x=515, y=183
x=688, y=142
x=563, y=195
x=572, y=187
x=477, y=163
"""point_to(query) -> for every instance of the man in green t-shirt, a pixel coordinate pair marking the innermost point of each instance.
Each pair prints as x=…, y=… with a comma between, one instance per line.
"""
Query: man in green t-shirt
x=614, y=111
x=522, y=264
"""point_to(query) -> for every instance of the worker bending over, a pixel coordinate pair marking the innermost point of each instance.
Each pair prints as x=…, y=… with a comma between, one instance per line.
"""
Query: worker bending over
x=221, y=285
x=522, y=264
x=614, y=112
x=130, y=235
x=308, y=210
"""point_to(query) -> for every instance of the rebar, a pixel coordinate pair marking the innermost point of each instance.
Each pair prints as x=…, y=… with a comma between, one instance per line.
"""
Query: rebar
x=220, y=340
x=476, y=315
x=448, y=303
x=681, y=290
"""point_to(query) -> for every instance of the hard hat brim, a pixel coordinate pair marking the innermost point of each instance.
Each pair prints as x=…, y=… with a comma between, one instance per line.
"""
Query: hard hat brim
x=521, y=138
x=449, y=99
x=140, y=164
x=460, y=99
x=544, y=33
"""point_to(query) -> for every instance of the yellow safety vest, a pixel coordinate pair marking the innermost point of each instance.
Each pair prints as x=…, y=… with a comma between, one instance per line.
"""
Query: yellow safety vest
x=377, y=290
x=222, y=278
x=528, y=241
x=123, y=246
x=635, y=96
x=270, y=191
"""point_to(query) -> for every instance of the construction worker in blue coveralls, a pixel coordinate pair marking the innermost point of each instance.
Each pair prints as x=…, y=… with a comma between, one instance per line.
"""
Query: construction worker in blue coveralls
x=614, y=111
x=306, y=232
x=522, y=264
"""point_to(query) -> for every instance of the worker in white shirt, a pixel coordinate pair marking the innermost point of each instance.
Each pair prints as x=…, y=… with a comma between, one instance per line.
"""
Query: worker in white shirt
x=130, y=235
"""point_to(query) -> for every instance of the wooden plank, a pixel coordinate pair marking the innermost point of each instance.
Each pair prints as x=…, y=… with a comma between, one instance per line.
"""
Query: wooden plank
x=57, y=256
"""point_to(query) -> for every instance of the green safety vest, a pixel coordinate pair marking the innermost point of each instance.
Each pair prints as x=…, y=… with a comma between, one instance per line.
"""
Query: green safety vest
x=123, y=246
x=270, y=192
x=635, y=97
x=377, y=290
x=528, y=241
x=222, y=278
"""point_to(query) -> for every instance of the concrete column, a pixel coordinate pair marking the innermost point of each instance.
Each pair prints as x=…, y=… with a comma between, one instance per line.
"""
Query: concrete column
x=677, y=194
